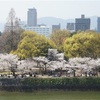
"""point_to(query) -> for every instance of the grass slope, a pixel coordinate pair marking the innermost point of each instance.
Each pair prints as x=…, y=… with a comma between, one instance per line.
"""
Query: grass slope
x=50, y=95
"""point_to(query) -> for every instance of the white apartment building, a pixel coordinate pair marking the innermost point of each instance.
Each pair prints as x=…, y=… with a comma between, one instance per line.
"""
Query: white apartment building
x=42, y=30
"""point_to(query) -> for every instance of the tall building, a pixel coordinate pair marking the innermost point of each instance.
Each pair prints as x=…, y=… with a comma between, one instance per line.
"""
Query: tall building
x=98, y=24
x=32, y=24
x=32, y=17
x=71, y=27
x=82, y=23
x=55, y=27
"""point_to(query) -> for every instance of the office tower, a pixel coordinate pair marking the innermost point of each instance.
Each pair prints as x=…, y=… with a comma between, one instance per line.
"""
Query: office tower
x=98, y=24
x=82, y=23
x=32, y=17
x=55, y=27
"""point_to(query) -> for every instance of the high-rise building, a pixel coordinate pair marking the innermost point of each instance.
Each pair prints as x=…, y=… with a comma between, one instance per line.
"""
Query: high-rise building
x=82, y=23
x=32, y=24
x=55, y=27
x=32, y=17
x=98, y=24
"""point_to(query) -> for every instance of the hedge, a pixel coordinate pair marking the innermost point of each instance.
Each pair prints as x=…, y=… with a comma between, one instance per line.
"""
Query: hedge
x=31, y=84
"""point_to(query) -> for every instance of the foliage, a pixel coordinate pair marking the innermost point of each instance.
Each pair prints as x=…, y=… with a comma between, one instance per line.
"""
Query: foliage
x=86, y=63
x=32, y=44
x=11, y=35
x=58, y=37
x=30, y=84
x=9, y=61
x=83, y=44
x=73, y=33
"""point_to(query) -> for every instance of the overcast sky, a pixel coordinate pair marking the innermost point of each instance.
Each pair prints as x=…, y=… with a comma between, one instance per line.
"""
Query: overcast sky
x=65, y=9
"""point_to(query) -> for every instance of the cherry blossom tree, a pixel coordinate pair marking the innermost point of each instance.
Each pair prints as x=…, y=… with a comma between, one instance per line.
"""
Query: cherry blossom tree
x=9, y=61
x=87, y=65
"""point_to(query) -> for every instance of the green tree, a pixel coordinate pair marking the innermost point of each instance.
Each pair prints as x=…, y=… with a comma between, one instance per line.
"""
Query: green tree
x=32, y=44
x=58, y=37
x=83, y=44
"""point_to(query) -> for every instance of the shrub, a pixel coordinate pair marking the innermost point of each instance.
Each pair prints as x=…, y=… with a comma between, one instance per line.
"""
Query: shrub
x=30, y=84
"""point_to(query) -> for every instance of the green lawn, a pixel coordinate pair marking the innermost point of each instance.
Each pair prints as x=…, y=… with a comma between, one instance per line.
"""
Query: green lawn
x=50, y=95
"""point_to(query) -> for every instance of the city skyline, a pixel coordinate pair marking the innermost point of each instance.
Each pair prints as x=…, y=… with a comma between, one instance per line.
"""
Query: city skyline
x=66, y=9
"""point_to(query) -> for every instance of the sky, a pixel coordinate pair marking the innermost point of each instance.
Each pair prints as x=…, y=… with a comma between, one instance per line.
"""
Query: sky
x=66, y=9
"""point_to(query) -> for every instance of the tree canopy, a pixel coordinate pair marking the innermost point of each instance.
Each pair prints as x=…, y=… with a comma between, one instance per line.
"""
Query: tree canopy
x=83, y=44
x=32, y=44
x=58, y=37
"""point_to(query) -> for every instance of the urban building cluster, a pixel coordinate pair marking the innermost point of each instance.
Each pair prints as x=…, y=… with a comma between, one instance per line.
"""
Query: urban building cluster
x=33, y=26
x=81, y=24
